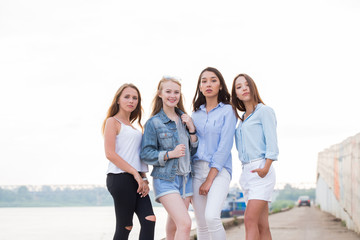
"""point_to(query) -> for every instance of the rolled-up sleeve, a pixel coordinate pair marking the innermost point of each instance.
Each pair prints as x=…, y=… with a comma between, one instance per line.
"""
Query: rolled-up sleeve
x=269, y=124
x=149, y=153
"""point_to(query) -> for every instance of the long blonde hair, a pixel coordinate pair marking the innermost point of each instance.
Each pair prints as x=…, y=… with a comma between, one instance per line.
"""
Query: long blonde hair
x=157, y=102
x=114, y=107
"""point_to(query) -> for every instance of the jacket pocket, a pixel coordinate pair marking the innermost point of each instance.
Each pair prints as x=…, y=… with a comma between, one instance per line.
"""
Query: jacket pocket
x=166, y=140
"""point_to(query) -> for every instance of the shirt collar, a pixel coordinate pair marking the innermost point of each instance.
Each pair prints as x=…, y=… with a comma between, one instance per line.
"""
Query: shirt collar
x=203, y=107
x=164, y=118
x=257, y=107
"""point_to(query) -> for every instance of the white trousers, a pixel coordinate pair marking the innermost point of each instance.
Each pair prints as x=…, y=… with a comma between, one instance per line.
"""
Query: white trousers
x=208, y=208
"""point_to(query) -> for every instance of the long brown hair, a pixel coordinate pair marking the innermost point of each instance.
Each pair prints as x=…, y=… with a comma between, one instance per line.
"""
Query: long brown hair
x=254, y=93
x=157, y=102
x=114, y=107
x=223, y=96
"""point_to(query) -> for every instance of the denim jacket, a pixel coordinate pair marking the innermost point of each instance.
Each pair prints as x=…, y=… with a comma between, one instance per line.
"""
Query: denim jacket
x=160, y=136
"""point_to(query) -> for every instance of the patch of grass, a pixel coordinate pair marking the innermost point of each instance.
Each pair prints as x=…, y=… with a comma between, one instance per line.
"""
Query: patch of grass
x=278, y=205
x=343, y=223
x=235, y=221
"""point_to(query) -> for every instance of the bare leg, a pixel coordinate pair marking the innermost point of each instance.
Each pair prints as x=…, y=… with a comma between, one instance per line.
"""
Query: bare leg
x=178, y=215
x=170, y=228
x=264, y=228
x=254, y=210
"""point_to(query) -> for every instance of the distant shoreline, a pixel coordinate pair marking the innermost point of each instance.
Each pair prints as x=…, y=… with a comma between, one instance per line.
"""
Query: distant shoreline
x=47, y=196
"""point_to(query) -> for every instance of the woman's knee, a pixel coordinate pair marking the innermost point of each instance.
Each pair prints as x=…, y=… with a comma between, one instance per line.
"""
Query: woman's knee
x=184, y=224
x=128, y=228
x=212, y=219
x=148, y=221
x=187, y=222
x=264, y=226
x=151, y=218
x=250, y=220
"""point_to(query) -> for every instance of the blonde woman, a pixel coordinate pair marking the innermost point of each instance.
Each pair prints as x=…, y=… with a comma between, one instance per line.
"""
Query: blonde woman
x=168, y=143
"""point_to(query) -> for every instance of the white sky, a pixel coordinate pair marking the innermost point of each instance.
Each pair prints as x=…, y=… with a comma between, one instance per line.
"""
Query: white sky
x=62, y=61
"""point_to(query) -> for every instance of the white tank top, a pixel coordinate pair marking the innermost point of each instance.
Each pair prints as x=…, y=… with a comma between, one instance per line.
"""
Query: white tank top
x=127, y=146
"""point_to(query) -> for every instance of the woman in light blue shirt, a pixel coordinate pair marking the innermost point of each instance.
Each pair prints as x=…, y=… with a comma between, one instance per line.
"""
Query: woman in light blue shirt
x=215, y=123
x=256, y=142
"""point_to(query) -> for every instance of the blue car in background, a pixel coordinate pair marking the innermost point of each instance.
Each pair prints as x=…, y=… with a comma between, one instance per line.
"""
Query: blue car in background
x=234, y=205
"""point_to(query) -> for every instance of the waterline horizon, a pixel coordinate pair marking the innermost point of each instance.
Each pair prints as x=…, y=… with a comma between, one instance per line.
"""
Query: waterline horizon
x=88, y=223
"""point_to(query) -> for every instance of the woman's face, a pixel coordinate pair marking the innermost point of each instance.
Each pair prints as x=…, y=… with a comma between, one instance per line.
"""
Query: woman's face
x=170, y=94
x=209, y=84
x=242, y=89
x=128, y=99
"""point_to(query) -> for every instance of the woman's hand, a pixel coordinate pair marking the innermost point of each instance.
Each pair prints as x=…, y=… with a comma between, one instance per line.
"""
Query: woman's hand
x=140, y=182
x=205, y=187
x=145, y=189
x=179, y=151
x=262, y=172
x=189, y=122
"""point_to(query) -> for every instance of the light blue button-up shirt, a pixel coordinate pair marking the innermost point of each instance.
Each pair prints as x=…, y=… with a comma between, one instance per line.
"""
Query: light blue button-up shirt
x=215, y=131
x=256, y=137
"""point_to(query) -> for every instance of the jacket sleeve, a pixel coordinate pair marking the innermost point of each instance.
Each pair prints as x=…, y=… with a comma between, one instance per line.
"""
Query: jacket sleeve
x=150, y=153
x=193, y=147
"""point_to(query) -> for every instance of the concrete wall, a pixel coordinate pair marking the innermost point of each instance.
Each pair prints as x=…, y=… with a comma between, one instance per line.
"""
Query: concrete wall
x=338, y=181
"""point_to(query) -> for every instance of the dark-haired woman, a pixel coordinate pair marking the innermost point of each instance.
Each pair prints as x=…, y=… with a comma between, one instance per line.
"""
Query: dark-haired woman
x=126, y=178
x=215, y=123
x=256, y=142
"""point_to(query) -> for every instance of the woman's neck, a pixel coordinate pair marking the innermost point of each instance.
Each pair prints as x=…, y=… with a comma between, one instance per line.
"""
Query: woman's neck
x=211, y=103
x=170, y=112
x=123, y=116
x=249, y=108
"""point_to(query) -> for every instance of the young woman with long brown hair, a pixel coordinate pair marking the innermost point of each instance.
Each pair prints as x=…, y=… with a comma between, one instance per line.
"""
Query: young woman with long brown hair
x=256, y=142
x=126, y=175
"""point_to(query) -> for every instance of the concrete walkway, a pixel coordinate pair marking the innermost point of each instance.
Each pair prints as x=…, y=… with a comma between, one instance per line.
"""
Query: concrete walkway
x=301, y=223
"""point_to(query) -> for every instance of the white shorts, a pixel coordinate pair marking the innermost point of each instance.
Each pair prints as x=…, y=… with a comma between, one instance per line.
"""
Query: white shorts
x=255, y=187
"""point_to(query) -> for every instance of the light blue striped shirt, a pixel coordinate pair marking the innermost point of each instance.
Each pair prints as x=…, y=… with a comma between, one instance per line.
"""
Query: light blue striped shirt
x=256, y=136
x=215, y=131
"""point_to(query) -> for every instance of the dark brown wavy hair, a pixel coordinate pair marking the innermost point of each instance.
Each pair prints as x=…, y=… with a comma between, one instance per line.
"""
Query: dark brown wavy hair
x=157, y=102
x=223, y=96
x=254, y=93
x=114, y=107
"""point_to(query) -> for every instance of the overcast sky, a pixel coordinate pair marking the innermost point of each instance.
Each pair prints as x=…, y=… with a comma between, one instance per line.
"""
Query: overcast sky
x=61, y=63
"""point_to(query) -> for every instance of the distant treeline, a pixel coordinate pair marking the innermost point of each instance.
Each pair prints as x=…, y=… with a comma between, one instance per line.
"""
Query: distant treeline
x=292, y=194
x=288, y=196
x=47, y=196
x=98, y=196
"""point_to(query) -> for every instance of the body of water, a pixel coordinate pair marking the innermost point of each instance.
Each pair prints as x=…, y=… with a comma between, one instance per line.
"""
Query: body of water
x=70, y=223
